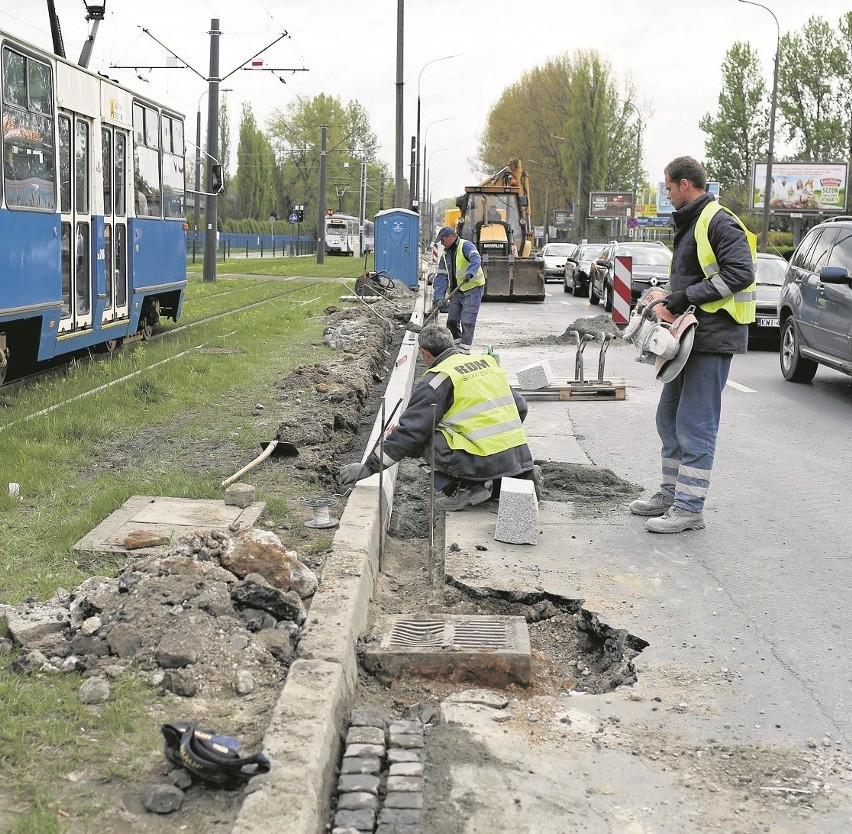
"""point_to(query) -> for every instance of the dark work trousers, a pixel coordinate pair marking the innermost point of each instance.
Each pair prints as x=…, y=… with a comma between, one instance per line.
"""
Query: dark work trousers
x=461, y=317
x=688, y=421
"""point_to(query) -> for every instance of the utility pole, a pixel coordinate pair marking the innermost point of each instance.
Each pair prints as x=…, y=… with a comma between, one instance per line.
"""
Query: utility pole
x=211, y=213
x=321, y=219
x=397, y=191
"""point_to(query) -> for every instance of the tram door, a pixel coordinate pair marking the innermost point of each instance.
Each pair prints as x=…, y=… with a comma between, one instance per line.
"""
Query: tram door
x=75, y=221
x=114, y=143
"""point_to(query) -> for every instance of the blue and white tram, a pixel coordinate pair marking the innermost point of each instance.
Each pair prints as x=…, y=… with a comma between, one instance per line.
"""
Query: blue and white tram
x=342, y=235
x=92, y=229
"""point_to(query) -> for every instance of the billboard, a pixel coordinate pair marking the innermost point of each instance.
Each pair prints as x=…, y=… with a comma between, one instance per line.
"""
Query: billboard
x=610, y=203
x=664, y=204
x=801, y=186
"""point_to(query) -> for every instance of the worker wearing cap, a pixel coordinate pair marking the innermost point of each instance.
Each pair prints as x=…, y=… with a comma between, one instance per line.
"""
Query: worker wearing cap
x=463, y=267
x=465, y=407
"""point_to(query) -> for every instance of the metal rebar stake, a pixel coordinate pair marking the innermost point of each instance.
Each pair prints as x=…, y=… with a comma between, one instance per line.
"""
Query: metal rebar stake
x=381, y=489
x=604, y=339
x=432, y=503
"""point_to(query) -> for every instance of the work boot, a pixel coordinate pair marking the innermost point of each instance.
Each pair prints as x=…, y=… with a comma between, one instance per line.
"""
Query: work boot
x=657, y=504
x=676, y=520
x=537, y=482
x=467, y=495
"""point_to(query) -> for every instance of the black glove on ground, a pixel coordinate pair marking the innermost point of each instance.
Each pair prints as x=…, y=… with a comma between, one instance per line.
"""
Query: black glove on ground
x=677, y=302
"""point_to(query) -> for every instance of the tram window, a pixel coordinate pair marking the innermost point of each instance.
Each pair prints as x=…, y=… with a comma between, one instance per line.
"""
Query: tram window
x=177, y=138
x=167, y=134
x=65, y=165
x=81, y=167
x=28, y=170
x=106, y=165
x=82, y=260
x=39, y=88
x=173, y=168
x=146, y=160
x=14, y=79
x=120, y=265
x=65, y=246
x=120, y=173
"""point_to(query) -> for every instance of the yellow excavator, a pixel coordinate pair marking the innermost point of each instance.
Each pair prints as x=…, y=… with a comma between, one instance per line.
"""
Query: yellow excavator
x=495, y=216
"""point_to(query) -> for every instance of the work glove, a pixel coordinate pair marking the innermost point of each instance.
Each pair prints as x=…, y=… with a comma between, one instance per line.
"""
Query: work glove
x=350, y=474
x=677, y=302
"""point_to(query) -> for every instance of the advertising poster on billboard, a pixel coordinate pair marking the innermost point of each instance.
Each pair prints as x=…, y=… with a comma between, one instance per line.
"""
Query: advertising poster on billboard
x=802, y=186
x=664, y=204
x=610, y=203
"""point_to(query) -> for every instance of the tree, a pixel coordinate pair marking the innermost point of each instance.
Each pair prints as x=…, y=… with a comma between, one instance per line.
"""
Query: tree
x=256, y=171
x=574, y=97
x=295, y=135
x=809, y=73
x=738, y=133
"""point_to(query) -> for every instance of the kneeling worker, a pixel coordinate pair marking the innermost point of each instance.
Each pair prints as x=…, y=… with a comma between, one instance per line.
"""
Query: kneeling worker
x=475, y=425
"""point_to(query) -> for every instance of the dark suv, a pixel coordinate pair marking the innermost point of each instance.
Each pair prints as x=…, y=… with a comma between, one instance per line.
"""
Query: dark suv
x=651, y=262
x=815, y=308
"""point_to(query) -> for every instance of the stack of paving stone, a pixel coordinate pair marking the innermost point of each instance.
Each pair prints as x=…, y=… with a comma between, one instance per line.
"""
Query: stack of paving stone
x=381, y=776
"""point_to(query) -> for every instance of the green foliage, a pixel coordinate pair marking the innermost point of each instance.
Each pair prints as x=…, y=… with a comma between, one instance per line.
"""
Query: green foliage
x=256, y=172
x=575, y=97
x=295, y=135
x=809, y=73
x=739, y=132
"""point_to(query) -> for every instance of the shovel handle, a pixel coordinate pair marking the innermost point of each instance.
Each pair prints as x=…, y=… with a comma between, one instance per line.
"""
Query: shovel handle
x=249, y=466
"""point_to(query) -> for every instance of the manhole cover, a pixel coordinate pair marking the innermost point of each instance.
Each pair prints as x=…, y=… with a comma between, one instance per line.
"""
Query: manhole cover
x=491, y=650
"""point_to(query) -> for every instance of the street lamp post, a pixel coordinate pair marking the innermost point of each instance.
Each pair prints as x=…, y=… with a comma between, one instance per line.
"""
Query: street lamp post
x=764, y=232
x=419, y=156
x=424, y=191
x=638, y=153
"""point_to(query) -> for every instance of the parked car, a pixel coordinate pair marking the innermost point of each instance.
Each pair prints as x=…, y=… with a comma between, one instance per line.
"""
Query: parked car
x=554, y=255
x=651, y=262
x=577, y=266
x=815, y=309
x=769, y=277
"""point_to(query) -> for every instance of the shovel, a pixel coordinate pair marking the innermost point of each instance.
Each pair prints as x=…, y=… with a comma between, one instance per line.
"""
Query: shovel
x=271, y=448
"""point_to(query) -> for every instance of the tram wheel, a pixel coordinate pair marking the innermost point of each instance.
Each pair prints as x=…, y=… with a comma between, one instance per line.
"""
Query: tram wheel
x=146, y=329
x=111, y=345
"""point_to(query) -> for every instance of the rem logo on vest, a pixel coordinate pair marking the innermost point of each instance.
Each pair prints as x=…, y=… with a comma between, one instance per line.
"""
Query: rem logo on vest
x=470, y=367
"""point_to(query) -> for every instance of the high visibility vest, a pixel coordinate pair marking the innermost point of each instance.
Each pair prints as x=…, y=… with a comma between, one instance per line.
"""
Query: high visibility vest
x=462, y=264
x=483, y=419
x=740, y=305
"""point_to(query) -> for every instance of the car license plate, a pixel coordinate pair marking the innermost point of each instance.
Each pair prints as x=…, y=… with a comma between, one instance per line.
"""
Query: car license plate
x=765, y=321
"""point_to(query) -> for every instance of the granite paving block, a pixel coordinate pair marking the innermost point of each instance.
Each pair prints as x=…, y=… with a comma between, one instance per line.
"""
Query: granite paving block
x=356, y=764
x=406, y=769
x=365, y=735
x=399, y=754
x=404, y=799
x=361, y=782
x=535, y=376
x=517, y=512
x=357, y=801
x=360, y=820
x=404, y=783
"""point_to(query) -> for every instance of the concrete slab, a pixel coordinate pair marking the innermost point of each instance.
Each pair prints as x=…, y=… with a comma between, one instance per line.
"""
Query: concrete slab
x=489, y=650
x=164, y=516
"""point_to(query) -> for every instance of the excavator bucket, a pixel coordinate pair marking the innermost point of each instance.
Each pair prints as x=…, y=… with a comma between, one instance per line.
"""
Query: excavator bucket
x=513, y=279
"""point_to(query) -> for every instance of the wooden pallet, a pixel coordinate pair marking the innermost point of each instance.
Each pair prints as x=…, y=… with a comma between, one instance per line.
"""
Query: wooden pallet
x=609, y=389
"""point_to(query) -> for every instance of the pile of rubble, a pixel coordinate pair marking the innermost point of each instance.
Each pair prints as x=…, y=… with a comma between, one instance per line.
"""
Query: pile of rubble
x=217, y=610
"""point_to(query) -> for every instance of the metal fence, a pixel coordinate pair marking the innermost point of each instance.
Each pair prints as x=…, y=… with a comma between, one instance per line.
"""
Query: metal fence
x=234, y=245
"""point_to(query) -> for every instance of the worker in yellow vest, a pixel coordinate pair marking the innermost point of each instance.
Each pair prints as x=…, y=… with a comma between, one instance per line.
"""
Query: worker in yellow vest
x=466, y=408
x=713, y=272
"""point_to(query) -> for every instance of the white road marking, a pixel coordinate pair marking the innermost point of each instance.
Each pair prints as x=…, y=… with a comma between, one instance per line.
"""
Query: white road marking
x=742, y=388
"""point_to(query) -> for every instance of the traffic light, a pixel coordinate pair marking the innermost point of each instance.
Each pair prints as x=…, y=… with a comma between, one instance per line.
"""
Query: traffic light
x=217, y=184
x=300, y=215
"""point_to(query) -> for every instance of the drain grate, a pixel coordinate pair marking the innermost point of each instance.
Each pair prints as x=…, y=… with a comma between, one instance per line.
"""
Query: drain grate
x=466, y=634
x=417, y=633
x=493, y=650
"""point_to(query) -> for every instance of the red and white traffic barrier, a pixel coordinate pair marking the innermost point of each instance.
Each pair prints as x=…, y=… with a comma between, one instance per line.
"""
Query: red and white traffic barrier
x=621, y=284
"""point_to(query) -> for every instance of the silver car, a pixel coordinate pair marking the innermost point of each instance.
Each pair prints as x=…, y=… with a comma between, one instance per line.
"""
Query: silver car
x=554, y=255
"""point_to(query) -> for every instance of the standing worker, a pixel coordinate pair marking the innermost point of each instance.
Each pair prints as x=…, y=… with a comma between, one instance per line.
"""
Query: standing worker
x=465, y=406
x=713, y=270
x=462, y=265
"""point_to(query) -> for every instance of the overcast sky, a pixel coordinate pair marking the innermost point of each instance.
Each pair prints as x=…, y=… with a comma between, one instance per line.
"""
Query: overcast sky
x=672, y=50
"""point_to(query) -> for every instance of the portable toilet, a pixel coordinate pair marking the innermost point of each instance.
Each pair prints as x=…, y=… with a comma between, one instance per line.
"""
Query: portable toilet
x=397, y=242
